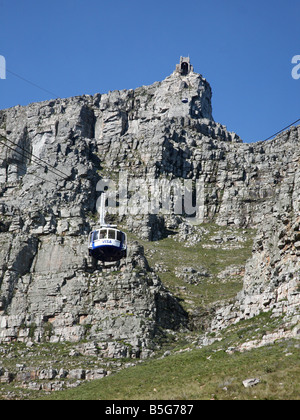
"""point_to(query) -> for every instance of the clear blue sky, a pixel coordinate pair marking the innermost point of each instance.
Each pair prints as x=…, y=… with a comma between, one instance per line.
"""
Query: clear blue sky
x=73, y=47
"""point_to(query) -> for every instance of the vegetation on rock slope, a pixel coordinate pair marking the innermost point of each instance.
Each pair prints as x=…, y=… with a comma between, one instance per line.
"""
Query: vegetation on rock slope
x=180, y=368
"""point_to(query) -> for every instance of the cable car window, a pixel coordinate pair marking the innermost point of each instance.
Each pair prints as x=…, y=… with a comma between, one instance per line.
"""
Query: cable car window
x=119, y=236
x=96, y=235
x=103, y=233
x=111, y=234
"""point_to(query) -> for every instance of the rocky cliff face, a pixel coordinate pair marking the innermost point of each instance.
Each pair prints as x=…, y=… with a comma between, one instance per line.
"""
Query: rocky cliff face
x=49, y=289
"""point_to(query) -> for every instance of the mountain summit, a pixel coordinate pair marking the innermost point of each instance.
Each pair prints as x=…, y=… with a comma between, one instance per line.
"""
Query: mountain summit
x=53, y=155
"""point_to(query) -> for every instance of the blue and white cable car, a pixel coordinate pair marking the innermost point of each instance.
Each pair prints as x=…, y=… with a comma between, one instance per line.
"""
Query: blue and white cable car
x=108, y=243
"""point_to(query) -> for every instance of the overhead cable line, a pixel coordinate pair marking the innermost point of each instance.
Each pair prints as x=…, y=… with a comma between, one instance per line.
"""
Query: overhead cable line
x=278, y=132
x=57, y=172
x=42, y=165
x=31, y=83
x=18, y=161
x=37, y=176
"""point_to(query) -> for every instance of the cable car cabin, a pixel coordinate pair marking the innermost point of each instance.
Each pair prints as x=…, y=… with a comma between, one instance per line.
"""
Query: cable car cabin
x=107, y=244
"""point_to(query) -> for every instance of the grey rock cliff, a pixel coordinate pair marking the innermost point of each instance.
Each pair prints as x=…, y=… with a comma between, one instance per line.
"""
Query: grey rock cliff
x=48, y=288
